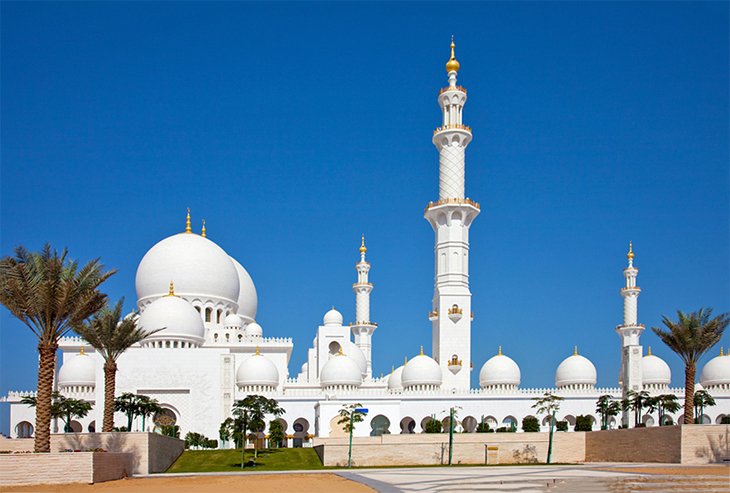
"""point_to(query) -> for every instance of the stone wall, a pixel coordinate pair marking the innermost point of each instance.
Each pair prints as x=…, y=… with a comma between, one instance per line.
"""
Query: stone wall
x=469, y=448
x=76, y=467
x=150, y=452
x=687, y=444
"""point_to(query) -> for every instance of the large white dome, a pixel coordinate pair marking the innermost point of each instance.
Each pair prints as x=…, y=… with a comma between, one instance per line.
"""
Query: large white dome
x=178, y=319
x=79, y=370
x=198, y=267
x=357, y=356
x=575, y=370
x=499, y=370
x=421, y=370
x=333, y=317
x=654, y=370
x=716, y=372
x=257, y=370
x=248, y=300
x=340, y=370
x=394, y=380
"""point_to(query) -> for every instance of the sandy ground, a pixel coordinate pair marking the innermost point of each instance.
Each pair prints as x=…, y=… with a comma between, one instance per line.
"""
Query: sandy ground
x=279, y=483
x=673, y=470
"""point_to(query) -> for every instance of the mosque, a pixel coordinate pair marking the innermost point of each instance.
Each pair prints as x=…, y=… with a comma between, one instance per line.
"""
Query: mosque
x=212, y=352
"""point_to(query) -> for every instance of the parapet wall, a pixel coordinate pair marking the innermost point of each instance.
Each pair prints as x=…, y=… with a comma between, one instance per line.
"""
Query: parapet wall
x=71, y=467
x=469, y=448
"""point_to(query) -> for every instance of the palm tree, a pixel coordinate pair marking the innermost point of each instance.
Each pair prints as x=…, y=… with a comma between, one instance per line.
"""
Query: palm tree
x=690, y=337
x=607, y=407
x=63, y=407
x=548, y=404
x=636, y=401
x=111, y=335
x=249, y=414
x=702, y=400
x=148, y=407
x=51, y=295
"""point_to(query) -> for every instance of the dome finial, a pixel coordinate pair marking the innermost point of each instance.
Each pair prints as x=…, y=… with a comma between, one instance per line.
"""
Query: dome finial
x=405, y=360
x=630, y=255
x=258, y=353
x=171, y=292
x=648, y=353
x=499, y=351
x=721, y=351
x=421, y=350
x=363, y=249
x=575, y=350
x=202, y=232
x=188, y=229
x=82, y=352
x=339, y=352
x=452, y=65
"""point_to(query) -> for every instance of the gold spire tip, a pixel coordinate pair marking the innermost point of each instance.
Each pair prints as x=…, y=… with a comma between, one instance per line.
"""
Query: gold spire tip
x=405, y=360
x=499, y=351
x=202, y=232
x=171, y=292
x=630, y=255
x=452, y=65
x=649, y=352
x=258, y=352
x=82, y=352
x=575, y=350
x=721, y=352
x=362, y=245
x=340, y=353
x=421, y=350
x=188, y=229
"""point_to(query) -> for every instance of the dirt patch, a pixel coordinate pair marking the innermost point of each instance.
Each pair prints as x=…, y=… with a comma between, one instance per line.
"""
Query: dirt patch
x=673, y=470
x=270, y=483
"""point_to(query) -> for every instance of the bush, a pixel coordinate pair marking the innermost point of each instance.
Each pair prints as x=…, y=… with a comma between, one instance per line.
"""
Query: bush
x=170, y=431
x=483, y=428
x=530, y=424
x=641, y=425
x=561, y=425
x=725, y=420
x=583, y=423
x=433, y=426
x=506, y=429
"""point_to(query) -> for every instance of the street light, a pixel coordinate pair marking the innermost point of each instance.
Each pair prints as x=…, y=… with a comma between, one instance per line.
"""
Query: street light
x=358, y=410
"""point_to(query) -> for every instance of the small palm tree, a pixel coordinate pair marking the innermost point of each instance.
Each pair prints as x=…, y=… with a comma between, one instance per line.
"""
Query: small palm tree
x=702, y=400
x=63, y=407
x=548, y=404
x=607, y=407
x=690, y=337
x=636, y=401
x=111, y=335
x=51, y=295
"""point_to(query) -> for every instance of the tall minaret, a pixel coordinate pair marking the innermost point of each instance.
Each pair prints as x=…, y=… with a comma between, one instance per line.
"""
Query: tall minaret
x=629, y=332
x=363, y=328
x=450, y=217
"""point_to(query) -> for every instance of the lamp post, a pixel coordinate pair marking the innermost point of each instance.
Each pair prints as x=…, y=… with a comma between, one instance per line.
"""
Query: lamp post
x=451, y=434
x=359, y=410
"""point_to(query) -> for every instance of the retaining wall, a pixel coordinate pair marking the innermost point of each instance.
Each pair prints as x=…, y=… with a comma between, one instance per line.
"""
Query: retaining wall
x=70, y=467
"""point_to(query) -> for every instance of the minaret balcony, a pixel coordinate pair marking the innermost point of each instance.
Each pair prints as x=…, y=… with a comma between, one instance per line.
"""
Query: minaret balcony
x=634, y=290
x=455, y=313
x=453, y=126
x=454, y=365
x=433, y=315
x=454, y=88
x=453, y=200
x=363, y=324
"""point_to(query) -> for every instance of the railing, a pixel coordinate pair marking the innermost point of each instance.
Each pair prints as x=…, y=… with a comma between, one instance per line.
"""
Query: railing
x=455, y=88
x=453, y=126
x=452, y=200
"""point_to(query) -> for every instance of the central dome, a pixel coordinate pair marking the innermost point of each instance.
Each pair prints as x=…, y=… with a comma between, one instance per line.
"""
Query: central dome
x=499, y=370
x=79, y=370
x=257, y=370
x=340, y=370
x=575, y=370
x=199, y=268
x=421, y=370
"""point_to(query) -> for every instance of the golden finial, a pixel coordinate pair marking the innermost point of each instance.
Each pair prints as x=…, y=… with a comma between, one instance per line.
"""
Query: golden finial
x=452, y=65
x=340, y=353
x=392, y=368
x=188, y=229
x=405, y=360
x=575, y=350
x=648, y=353
x=630, y=255
x=258, y=353
x=82, y=352
x=421, y=350
x=202, y=232
x=721, y=351
x=171, y=292
x=499, y=351
x=362, y=246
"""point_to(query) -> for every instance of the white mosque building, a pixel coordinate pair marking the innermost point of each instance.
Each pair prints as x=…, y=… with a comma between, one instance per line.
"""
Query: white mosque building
x=212, y=352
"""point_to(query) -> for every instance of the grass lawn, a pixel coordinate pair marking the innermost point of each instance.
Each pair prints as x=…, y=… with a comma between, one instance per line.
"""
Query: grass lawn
x=282, y=459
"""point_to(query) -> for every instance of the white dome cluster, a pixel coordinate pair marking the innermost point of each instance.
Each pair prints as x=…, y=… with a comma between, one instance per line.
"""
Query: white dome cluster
x=500, y=372
x=78, y=373
x=716, y=373
x=180, y=323
x=576, y=373
x=340, y=371
x=421, y=373
x=257, y=373
x=655, y=372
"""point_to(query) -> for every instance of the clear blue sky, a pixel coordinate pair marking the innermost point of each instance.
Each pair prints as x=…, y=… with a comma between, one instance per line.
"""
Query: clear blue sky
x=292, y=128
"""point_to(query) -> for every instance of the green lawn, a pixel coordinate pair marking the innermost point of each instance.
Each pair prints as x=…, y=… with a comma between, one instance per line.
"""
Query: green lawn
x=230, y=460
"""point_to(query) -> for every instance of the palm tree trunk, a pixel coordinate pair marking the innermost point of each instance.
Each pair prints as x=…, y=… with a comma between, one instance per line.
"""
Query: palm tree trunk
x=46, y=369
x=689, y=392
x=110, y=381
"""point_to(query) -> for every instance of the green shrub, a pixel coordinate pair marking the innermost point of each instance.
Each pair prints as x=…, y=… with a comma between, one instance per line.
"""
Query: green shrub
x=483, y=428
x=725, y=420
x=561, y=425
x=433, y=426
x=583, y=423
x=530, y=424
x=170, y=431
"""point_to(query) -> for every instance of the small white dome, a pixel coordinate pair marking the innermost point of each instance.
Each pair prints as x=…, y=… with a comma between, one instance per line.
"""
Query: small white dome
x=357, y=356
x=257, y=370
x=421, y=370
x=340, y=370
x=199, y=268
x=716, y=372
x=655, y=371
x=333, y=317
x=178, y=319
x=254, y=330
x=79, y=370
x=232, y=320
x=499, y=370
x=394, y=380
x=305, y=367
x=248, y=300
x=575, y=370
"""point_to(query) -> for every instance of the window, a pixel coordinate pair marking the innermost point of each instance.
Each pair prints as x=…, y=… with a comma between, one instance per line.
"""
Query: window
x=208, y=313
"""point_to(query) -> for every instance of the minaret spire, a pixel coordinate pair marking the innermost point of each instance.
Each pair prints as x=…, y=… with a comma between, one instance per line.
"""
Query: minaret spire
x=202, y=231
x=188, y=229
x=362, y=329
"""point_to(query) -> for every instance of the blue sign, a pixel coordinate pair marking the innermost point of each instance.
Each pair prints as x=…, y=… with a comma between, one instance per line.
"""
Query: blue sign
x=361, y=410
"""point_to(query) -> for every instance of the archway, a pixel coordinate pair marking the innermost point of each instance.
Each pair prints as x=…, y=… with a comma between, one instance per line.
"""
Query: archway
x=76, y=427
x=301, y=427
x=166, y=417
x=648, y=421
x=509, y=422
x=336, y=429
x=334, y=348
x=284, y=427
x=718, y=420
x=704, y=420
x=24, y=429
x=379, y=425
x=407, y=425
x=569, y=418
x=491, y=422
x=469, y=424
x=667, y=420
x=424, y=423
x=92, y=427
